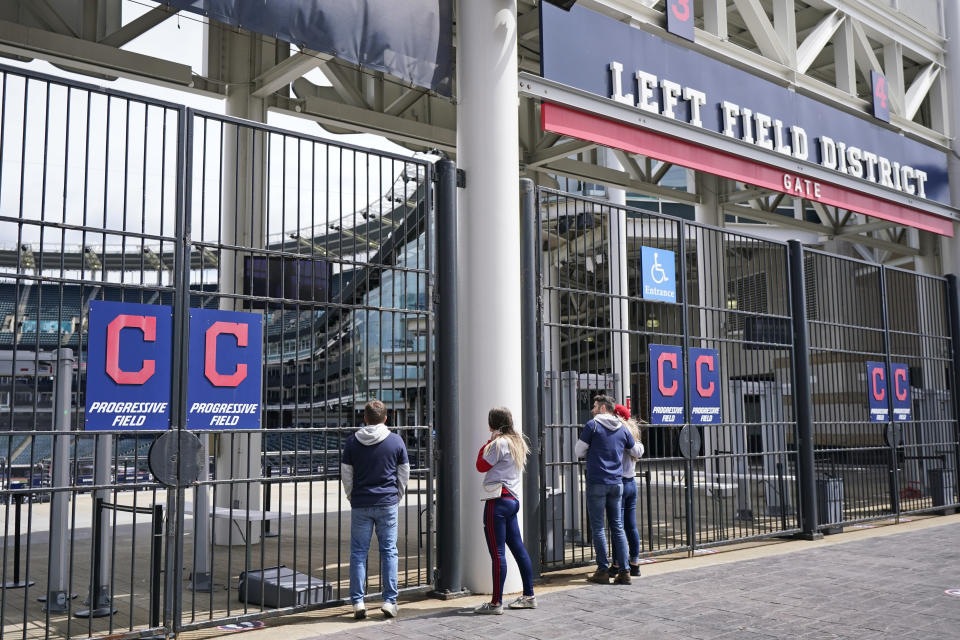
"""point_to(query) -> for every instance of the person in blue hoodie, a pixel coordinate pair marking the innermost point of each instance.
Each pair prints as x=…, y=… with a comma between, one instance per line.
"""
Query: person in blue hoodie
x=603, y=442
x=374, y=470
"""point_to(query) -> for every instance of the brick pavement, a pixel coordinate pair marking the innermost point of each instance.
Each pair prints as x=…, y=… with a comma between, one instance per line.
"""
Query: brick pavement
x=883, y=587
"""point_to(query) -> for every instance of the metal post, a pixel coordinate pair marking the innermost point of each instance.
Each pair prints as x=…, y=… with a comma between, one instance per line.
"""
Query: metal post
x=953, y=306
x=16, y=583
x=201, y=579
x=894, y=479
x=803, y=412
x=156, y=564
x=449, y=568
x=529, y=255
x=57, y=585
x=100, y=602
x=685, y=324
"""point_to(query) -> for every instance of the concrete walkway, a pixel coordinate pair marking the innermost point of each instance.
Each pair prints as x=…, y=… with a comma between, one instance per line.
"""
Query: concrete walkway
x=883, y=582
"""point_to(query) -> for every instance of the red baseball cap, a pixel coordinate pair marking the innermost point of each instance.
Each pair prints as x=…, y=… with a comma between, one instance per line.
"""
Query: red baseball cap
x=622, y=411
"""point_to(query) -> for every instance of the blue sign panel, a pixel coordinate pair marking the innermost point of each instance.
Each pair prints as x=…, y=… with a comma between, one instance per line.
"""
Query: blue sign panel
x=680, y=18
x=704, y=367
x=128, y=366
x=223, y=387
x=881, y=102
x=634, y=67
x=659, y=275
x=877, y=391
x=666, y=384
x=900, y=375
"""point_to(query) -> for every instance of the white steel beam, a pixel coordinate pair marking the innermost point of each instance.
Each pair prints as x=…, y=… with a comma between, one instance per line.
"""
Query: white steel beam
x=762, y=30
x=844, y=64
x=139, y=26
x=80, y=54
x=785, y=24
x=866, y=59
x=715, y=18
x=893, y=70
x=406, y=100
x=615, y=179
x=817, y=39
x=287, y=71
x=919, y=89
x=559, y=151
x=344, y=82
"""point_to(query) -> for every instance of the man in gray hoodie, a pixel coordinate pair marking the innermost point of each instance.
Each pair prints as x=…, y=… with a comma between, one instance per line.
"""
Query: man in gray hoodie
x=374, y=470
x=602, y=442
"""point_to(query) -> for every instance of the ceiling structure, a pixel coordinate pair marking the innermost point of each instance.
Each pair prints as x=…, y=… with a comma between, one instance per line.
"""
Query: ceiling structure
x=823, y=48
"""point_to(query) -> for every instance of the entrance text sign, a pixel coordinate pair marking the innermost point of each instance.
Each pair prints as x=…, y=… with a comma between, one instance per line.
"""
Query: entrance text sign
x=666, y=384
x=223, y=386
x=656, y=76
x=128, y=366
x=659, y=274
x=900, y=377
x=704, y=375
x=877, y=391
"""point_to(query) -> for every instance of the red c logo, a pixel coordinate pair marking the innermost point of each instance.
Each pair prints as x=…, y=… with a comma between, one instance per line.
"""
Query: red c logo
x=898, y=375
x=705, y=392
x=146, y=324
x=878, y=392
x=672, y=359
x=237, y=329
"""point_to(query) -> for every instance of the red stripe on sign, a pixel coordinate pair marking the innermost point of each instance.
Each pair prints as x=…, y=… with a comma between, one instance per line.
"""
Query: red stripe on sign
x=610, y=133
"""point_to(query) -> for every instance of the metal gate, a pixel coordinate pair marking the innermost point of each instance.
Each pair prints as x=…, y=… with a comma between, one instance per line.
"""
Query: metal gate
x=115, y=197
x=867, y=469
x=740, y=479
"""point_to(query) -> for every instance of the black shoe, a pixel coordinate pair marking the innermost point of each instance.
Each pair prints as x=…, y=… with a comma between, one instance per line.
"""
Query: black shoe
x=622, y=578
x=613, y=571
x=634, y=569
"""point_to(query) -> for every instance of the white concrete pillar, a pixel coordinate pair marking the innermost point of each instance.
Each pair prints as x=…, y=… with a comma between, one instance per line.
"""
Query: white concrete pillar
x=488, y=255
x=243, y=223
x=620, y=306
x=951, y=261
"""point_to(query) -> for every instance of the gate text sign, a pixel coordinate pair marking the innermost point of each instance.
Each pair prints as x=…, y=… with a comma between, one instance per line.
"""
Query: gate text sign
x=704, y=375
x=659, y=274
x=223, y=386
x=900, y=376
x=644, y=71
x=880, y=384
x=128, y=366
x=666, y=384
x=877, y=391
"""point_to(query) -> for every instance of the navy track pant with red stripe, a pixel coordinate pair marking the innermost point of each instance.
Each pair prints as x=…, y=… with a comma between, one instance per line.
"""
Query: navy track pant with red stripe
x=500, y=528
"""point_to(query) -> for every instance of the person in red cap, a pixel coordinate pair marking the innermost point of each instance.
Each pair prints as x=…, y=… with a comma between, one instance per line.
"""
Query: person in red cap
x=629, y=501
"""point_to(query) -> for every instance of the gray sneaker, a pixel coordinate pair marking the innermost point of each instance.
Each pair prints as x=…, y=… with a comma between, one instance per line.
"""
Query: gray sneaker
x=489, y=609
x=359, y=610
x=524, y=602
x=389, y=609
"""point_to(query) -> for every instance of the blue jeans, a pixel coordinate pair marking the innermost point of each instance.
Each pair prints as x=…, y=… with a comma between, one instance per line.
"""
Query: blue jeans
x=630, y=518
x=363, y=520
x=500, y=529
x=605, y=498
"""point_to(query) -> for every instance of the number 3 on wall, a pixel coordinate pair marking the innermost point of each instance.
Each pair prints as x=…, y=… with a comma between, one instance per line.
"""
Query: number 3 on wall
x=680, y=9
x=680, y=18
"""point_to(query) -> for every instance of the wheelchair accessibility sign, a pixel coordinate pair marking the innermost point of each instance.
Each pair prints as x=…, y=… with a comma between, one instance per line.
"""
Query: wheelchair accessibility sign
x=659, y=275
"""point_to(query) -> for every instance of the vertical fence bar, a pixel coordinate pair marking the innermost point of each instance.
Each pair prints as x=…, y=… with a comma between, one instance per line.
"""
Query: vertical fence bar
x=806, y=474
x=57, y=588
x=681, y=262
x=531, y=406
x=953, y=302
x=449, y=571
x=893, y=441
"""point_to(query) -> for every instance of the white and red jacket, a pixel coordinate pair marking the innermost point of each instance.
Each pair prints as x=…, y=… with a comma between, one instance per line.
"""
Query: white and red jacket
x=495, y=460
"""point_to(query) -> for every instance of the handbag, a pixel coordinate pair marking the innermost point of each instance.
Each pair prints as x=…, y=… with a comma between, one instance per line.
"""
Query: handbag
x=492, y=491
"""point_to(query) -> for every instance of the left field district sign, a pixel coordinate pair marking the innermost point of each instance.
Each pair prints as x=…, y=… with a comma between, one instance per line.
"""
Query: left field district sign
x=128, y=366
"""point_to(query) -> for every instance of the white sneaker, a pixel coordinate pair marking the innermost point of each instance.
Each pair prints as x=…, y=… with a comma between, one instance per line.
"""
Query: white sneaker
x=489, y=609
x=389, y=609
x=524, y=602
x=359, y=610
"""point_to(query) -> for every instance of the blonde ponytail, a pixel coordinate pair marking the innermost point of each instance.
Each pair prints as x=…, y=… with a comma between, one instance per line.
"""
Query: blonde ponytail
x=501, y=420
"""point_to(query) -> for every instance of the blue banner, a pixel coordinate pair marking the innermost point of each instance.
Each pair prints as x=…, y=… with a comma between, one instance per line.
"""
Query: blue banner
x=666, y=384
x=900, y=375
x=226, y=354
x=705, y=397
x=643, y=70
x=659, y=274
x=877, y=392
x=128, y=366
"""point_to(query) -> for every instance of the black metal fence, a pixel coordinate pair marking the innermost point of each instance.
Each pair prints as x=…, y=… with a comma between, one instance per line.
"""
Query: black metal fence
x=739, y=478
x=106, y=196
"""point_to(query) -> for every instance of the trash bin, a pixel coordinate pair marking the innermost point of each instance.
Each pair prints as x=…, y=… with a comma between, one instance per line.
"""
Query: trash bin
x=830, y=502
x=941, y=486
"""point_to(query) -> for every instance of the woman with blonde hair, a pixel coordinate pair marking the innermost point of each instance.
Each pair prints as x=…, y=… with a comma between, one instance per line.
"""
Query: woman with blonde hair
x=628, y=504
x=502, y=458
